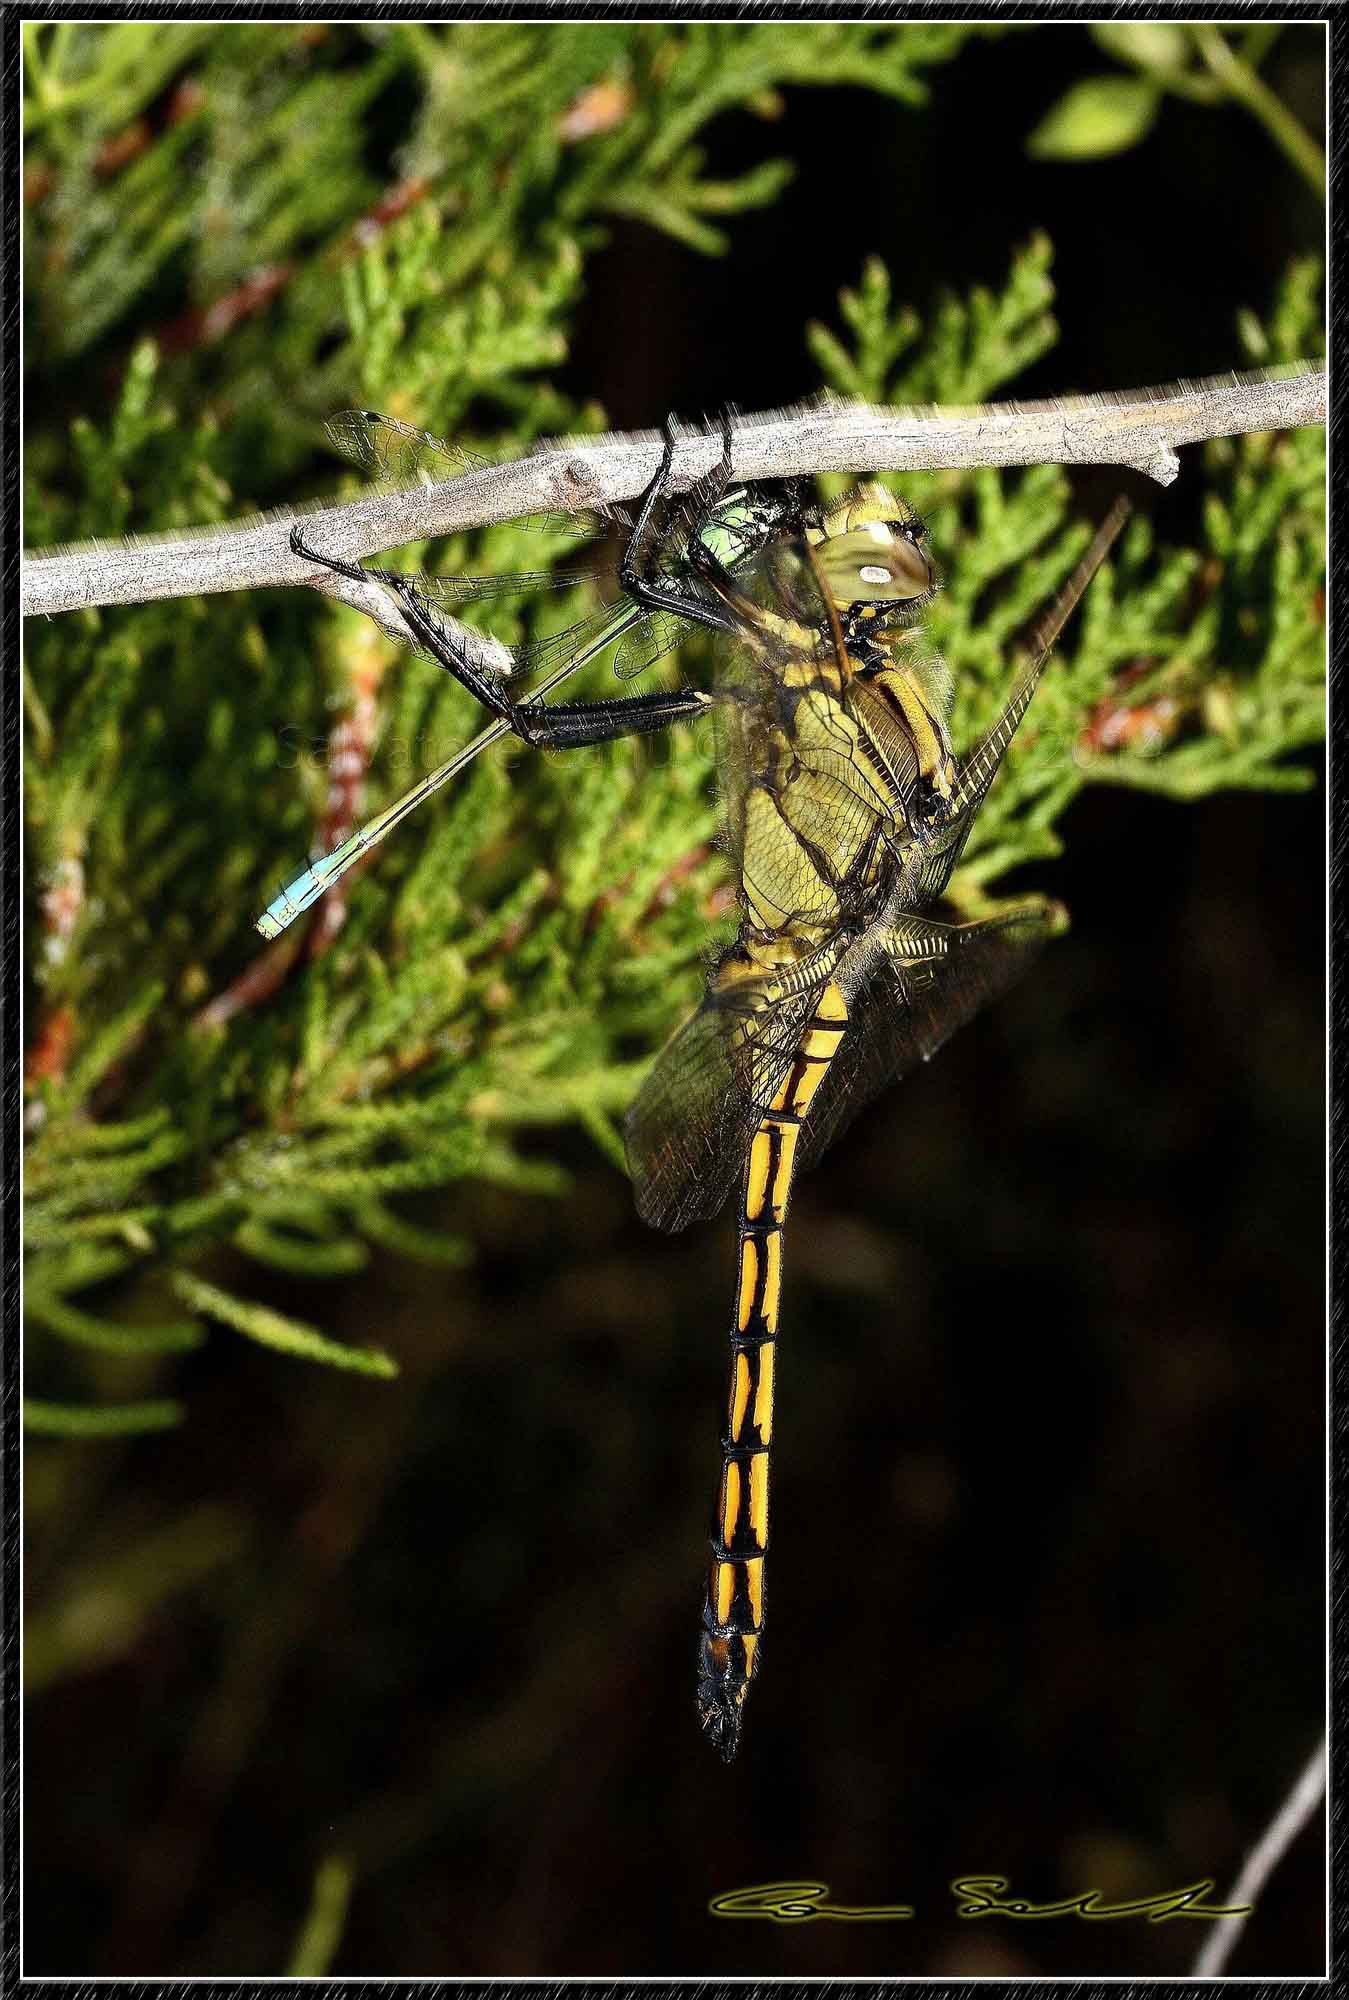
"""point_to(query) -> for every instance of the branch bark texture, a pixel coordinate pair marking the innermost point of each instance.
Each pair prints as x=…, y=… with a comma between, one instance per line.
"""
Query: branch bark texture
x=1140, y=429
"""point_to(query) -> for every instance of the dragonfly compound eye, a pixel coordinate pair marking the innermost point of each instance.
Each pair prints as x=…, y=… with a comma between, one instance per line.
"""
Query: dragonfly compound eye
x=877, y=562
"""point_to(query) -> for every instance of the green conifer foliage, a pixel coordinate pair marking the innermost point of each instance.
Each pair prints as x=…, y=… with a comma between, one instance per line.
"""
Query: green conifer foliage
x=520, y=949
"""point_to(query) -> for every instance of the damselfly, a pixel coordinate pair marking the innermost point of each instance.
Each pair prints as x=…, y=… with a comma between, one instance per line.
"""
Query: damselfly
x=639, y=633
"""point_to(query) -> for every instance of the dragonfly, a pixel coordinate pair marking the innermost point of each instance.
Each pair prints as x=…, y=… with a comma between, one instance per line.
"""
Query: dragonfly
x=846, y=813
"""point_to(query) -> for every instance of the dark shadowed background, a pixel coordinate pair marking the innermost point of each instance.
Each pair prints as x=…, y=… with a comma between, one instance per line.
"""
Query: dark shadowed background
x=1047, y=1580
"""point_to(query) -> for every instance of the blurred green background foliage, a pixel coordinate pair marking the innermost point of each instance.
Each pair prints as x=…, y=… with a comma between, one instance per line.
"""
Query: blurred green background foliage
x=393, y=1624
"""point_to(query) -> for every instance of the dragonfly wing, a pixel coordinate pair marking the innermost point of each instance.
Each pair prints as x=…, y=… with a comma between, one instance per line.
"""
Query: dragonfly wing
x=457, y=589
x=589, y=636
x=658, y=633
x=394, y=452
x=385, y=449
x=907, y=1007
x=689, y=1130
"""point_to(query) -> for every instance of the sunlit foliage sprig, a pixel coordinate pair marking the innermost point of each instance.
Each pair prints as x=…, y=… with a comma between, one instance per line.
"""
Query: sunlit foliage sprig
x=1188, y=669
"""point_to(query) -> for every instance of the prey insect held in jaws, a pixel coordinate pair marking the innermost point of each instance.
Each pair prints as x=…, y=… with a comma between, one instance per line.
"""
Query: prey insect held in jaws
x=301, y=894
x=846, y=810
x=639, y=632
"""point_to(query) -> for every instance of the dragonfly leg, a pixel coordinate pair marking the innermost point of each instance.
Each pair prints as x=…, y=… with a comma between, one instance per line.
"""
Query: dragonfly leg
x=660, y=594
x=480, y=681
x=659, y=485
x=300, y=547
x=915, y=940
x=707, y=565
x=569, y=725
x=714, y=487
x=701, y=558
x=566, y=725
x=649, y=586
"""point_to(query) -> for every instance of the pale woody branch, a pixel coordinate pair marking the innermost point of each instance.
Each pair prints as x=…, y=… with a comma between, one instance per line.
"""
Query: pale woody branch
x=1140, y=429
x=1308, y=1792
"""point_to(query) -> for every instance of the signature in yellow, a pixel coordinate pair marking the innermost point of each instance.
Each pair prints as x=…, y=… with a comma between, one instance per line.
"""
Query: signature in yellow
x=976, y=1896
x=800, y=1903
x=986, y=1896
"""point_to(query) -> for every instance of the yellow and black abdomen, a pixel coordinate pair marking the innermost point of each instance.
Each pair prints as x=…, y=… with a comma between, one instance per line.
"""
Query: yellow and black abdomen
x=733, y=1614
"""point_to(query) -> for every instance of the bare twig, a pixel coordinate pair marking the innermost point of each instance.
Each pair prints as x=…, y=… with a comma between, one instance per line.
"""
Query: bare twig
x=1263, y=1859
x=1140, y=428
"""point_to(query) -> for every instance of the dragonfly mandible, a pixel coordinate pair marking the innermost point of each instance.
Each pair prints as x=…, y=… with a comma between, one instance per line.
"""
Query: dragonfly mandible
x=846, y=812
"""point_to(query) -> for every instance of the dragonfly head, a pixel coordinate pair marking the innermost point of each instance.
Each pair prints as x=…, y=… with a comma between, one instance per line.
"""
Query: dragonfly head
x=872, y=554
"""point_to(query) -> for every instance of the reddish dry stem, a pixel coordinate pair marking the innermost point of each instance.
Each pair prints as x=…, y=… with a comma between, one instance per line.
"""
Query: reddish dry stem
x=348, y=761
x=205, y=324
x=255, y=984
x=47, y=1058
x=122, y=148
x=402, y=196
